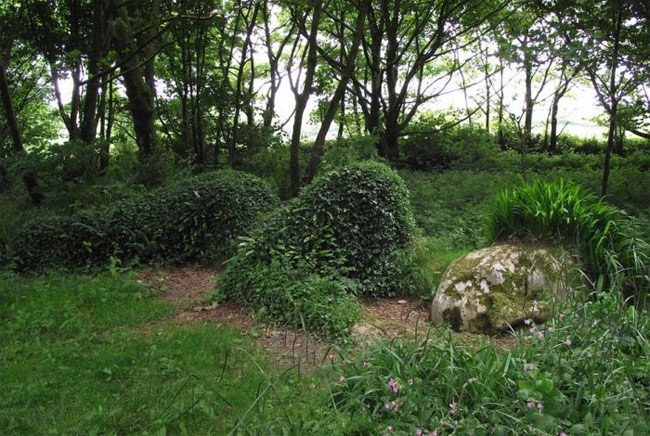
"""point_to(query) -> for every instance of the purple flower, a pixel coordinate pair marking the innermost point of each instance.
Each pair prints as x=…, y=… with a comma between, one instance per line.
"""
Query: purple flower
x=418, y=432
x=528, y=321
x=540, y=335
x=532, y=330
x=563, y=434
x=392, y=384
x=452, y=409
x=540, y=406
x=434, y=433
x=530, y=404
x=568, y=342
x=529, y=367
x=551, y=329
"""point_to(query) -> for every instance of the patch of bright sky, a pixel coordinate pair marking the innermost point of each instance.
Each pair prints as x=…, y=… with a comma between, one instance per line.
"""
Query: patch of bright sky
x=577, y=109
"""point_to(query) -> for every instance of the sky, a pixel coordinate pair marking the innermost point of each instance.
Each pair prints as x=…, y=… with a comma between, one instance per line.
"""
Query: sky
x=576, y=112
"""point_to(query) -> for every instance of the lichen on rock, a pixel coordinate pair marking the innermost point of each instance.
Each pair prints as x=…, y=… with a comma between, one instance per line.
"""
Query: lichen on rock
x=494, y=288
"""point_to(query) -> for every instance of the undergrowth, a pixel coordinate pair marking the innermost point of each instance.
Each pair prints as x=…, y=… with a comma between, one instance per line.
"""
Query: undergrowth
x=606, y=237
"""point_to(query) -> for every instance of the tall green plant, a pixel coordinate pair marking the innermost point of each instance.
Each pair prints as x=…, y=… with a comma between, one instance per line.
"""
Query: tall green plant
x=606, y=237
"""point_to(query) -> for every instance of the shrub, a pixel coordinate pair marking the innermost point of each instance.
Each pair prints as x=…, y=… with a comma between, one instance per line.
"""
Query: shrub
x=348, y=224
x=458, y=147
x=199, y=217
x=289, y=296
x=605, y=236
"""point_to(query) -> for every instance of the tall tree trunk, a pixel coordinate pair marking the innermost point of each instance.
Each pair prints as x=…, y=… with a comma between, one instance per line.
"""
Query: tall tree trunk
x=302, y=99
x=613, y=112
x=88, y=130
x=29, y=177
x=348, y=69
x=528, y=122
x=232, y=149
x=500, y=136
x=137, y=82
x=554, y=136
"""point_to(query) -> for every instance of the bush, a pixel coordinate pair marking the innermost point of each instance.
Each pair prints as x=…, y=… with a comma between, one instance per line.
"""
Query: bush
x=289, y=296
x=348, y=224
x=458, y=147
x=195, y=218
x=605, y=236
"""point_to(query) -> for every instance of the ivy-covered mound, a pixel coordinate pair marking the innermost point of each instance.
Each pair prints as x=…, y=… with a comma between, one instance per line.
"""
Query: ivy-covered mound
x=339, y=238
x=196, y=218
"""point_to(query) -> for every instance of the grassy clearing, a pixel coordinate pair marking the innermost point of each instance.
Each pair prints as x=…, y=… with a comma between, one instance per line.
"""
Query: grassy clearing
x=75, y=359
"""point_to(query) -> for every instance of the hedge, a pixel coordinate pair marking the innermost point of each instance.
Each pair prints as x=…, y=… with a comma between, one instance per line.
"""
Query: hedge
x=198, y=218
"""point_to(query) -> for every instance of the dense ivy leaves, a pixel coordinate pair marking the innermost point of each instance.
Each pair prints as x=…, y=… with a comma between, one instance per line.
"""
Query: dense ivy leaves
x=342, y=233
x=196, y=218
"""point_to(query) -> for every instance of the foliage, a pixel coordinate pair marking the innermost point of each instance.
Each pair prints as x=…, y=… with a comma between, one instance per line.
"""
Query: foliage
x=348, y=150
x=443, y=148
x=584, y=373
x=605, y=236
x=195, y=218
x=290, y=296
x=348, y=223
x=424, y=262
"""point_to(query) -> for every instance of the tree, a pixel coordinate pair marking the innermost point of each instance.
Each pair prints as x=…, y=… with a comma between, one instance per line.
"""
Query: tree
x=605, y=38
x=403, y=42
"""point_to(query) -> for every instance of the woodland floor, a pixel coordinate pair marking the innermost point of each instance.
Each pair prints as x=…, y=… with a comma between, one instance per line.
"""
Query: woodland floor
x=187, y=289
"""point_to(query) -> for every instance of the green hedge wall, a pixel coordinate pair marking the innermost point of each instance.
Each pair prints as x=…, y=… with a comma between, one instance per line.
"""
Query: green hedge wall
x=195, y=218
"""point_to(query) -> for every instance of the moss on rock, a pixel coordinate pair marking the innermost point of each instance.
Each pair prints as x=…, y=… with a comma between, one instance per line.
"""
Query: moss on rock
x=497, y=287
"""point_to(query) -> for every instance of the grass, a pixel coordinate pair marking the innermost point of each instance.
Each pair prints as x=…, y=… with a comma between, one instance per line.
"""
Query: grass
x=84, y=355
x=583, y=373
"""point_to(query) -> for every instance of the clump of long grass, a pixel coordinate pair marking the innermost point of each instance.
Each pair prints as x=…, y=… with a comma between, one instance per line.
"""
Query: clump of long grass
x=605, y=237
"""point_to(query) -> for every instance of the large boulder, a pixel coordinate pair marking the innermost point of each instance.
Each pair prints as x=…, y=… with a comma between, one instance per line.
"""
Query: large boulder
x=492, y=289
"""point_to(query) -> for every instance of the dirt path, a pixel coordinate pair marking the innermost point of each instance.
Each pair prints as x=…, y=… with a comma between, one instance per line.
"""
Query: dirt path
x=188, y=289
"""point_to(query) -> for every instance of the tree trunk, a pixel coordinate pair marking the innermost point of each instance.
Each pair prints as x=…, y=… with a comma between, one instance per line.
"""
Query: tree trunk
x=302, y=99
x=137, y=84
x=349, y=66
x=554, y=111
x=29, y=178
x=88, y=130
x=611, y=137
x=232, y=149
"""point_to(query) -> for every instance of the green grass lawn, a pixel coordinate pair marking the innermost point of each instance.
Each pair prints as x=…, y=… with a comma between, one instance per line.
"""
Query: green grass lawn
x=82, y=355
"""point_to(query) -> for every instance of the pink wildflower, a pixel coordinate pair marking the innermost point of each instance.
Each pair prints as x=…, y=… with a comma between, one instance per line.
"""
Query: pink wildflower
x=568, y=342
x=452, y=409
x=528, y=321
x=540, y=335
x=392, y=384
x=529, y=367
x=551, y=329
x=532, y=330
x=418, y=432
x=530, y=404
x=540, y=406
